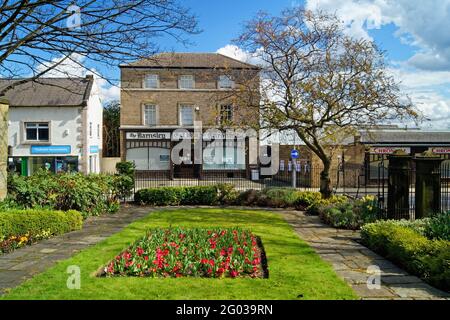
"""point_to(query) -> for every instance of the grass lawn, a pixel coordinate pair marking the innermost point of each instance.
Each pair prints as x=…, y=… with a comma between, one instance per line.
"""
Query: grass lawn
x=295, y=270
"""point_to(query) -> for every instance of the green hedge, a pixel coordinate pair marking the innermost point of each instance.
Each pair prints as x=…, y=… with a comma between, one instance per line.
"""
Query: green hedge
x=174, y=196
x=428, y=259
x=92, y=194
x=36, y=222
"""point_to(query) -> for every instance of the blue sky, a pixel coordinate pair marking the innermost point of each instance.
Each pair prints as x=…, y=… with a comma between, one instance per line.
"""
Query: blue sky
x=414, y=34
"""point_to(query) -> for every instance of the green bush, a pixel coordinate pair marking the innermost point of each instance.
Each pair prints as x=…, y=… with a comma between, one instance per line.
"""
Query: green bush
x=125, y=179
x=91, y=194
x=305, y=199
x=36, y=222
x=227, y=194
x=341, y=215
x=316, y=207
x=249, y=197
x=277, y=197
x=174, y=196
x=428, y=259
x=438, y=227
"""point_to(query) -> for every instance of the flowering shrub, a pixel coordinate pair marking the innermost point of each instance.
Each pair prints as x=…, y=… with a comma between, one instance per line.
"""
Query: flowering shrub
x=178, y=252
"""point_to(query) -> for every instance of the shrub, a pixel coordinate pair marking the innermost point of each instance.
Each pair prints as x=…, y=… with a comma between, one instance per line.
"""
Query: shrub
x=306, y=198
x=125, y=179
x=21, y=227
x=341, y=215
x=278, y=197
x=227, y=193
x=249, y=197
x=428, y=259
x=90, y=194
x=174, y=196
x=317, y=206
x=438, y=227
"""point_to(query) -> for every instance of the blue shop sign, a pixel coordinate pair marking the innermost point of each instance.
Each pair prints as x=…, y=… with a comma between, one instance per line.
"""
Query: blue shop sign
x=51, y=149
x=93, y=149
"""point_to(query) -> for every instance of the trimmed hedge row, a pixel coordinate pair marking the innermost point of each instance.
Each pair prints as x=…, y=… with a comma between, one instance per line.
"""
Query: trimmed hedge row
x=34, y=222
x=428, y=259
x=175, y=196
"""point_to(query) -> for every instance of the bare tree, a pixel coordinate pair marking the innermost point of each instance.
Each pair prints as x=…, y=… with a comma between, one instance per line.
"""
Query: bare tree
x=320, y=83
x=37, y=36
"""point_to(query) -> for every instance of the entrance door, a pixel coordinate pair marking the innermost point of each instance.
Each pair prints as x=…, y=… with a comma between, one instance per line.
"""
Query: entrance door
x=186, y=170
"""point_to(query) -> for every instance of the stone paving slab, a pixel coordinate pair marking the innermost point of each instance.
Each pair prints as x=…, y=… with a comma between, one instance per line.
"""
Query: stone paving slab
x=24, y=263
x=351, y=260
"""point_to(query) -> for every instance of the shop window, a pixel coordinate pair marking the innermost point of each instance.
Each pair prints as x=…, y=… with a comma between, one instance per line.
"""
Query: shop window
x=223, y=158
x=37, y=131
x=53, y=164
x=186, y=115
x=149, y=158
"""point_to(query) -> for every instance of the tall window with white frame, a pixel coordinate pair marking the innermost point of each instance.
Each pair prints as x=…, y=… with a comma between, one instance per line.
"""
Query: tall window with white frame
x=37, y=131
x=90, y=129
x=186, y=82
x=151, y=81
x=186, y=115
x=150, y=115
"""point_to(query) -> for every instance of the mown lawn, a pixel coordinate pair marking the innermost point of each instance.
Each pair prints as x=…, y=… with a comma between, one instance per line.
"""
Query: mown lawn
x=295, y=270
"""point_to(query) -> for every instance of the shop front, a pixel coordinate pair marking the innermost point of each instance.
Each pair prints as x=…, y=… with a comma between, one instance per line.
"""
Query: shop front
x=152, y=151
x=55, y=159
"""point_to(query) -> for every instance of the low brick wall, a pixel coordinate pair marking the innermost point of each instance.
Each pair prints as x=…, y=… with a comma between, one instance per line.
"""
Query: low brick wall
x=4, y=107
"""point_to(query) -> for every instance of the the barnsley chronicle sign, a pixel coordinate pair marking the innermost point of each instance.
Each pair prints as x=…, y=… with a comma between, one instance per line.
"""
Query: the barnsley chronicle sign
x=389, y=150
x=148, y=135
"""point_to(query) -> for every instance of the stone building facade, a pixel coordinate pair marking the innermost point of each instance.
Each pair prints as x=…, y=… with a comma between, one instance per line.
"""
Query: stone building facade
x=171, y=91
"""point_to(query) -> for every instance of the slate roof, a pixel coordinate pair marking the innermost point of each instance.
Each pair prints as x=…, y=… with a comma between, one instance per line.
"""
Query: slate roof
x=404, y=136
x=190, y=61
x=49, y=92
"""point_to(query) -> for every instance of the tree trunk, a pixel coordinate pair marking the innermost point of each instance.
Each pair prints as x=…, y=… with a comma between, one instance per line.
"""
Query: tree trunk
x=325, y=181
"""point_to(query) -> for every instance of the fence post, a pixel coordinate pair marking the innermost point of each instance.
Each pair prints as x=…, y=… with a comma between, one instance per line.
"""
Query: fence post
x=398, y=185
x=428, y=184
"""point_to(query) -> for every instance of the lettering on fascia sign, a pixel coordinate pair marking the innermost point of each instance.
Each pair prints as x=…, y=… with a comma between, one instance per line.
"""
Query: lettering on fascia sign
x=389, y=150
x=148, y=135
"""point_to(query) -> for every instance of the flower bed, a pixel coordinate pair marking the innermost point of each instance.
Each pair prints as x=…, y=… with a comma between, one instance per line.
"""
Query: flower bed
x=178, y=252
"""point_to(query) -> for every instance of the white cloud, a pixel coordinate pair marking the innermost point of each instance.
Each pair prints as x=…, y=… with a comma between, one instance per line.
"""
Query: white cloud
x=420, y=23
x=238, y=53
x=73, y=67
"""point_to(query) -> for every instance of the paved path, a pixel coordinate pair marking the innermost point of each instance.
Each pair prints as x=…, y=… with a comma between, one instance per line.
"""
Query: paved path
x=25, y=262
x=350, y=260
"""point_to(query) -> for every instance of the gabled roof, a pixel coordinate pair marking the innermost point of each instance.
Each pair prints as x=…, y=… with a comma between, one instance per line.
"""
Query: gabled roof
x=190, y=61
x=49, y=92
